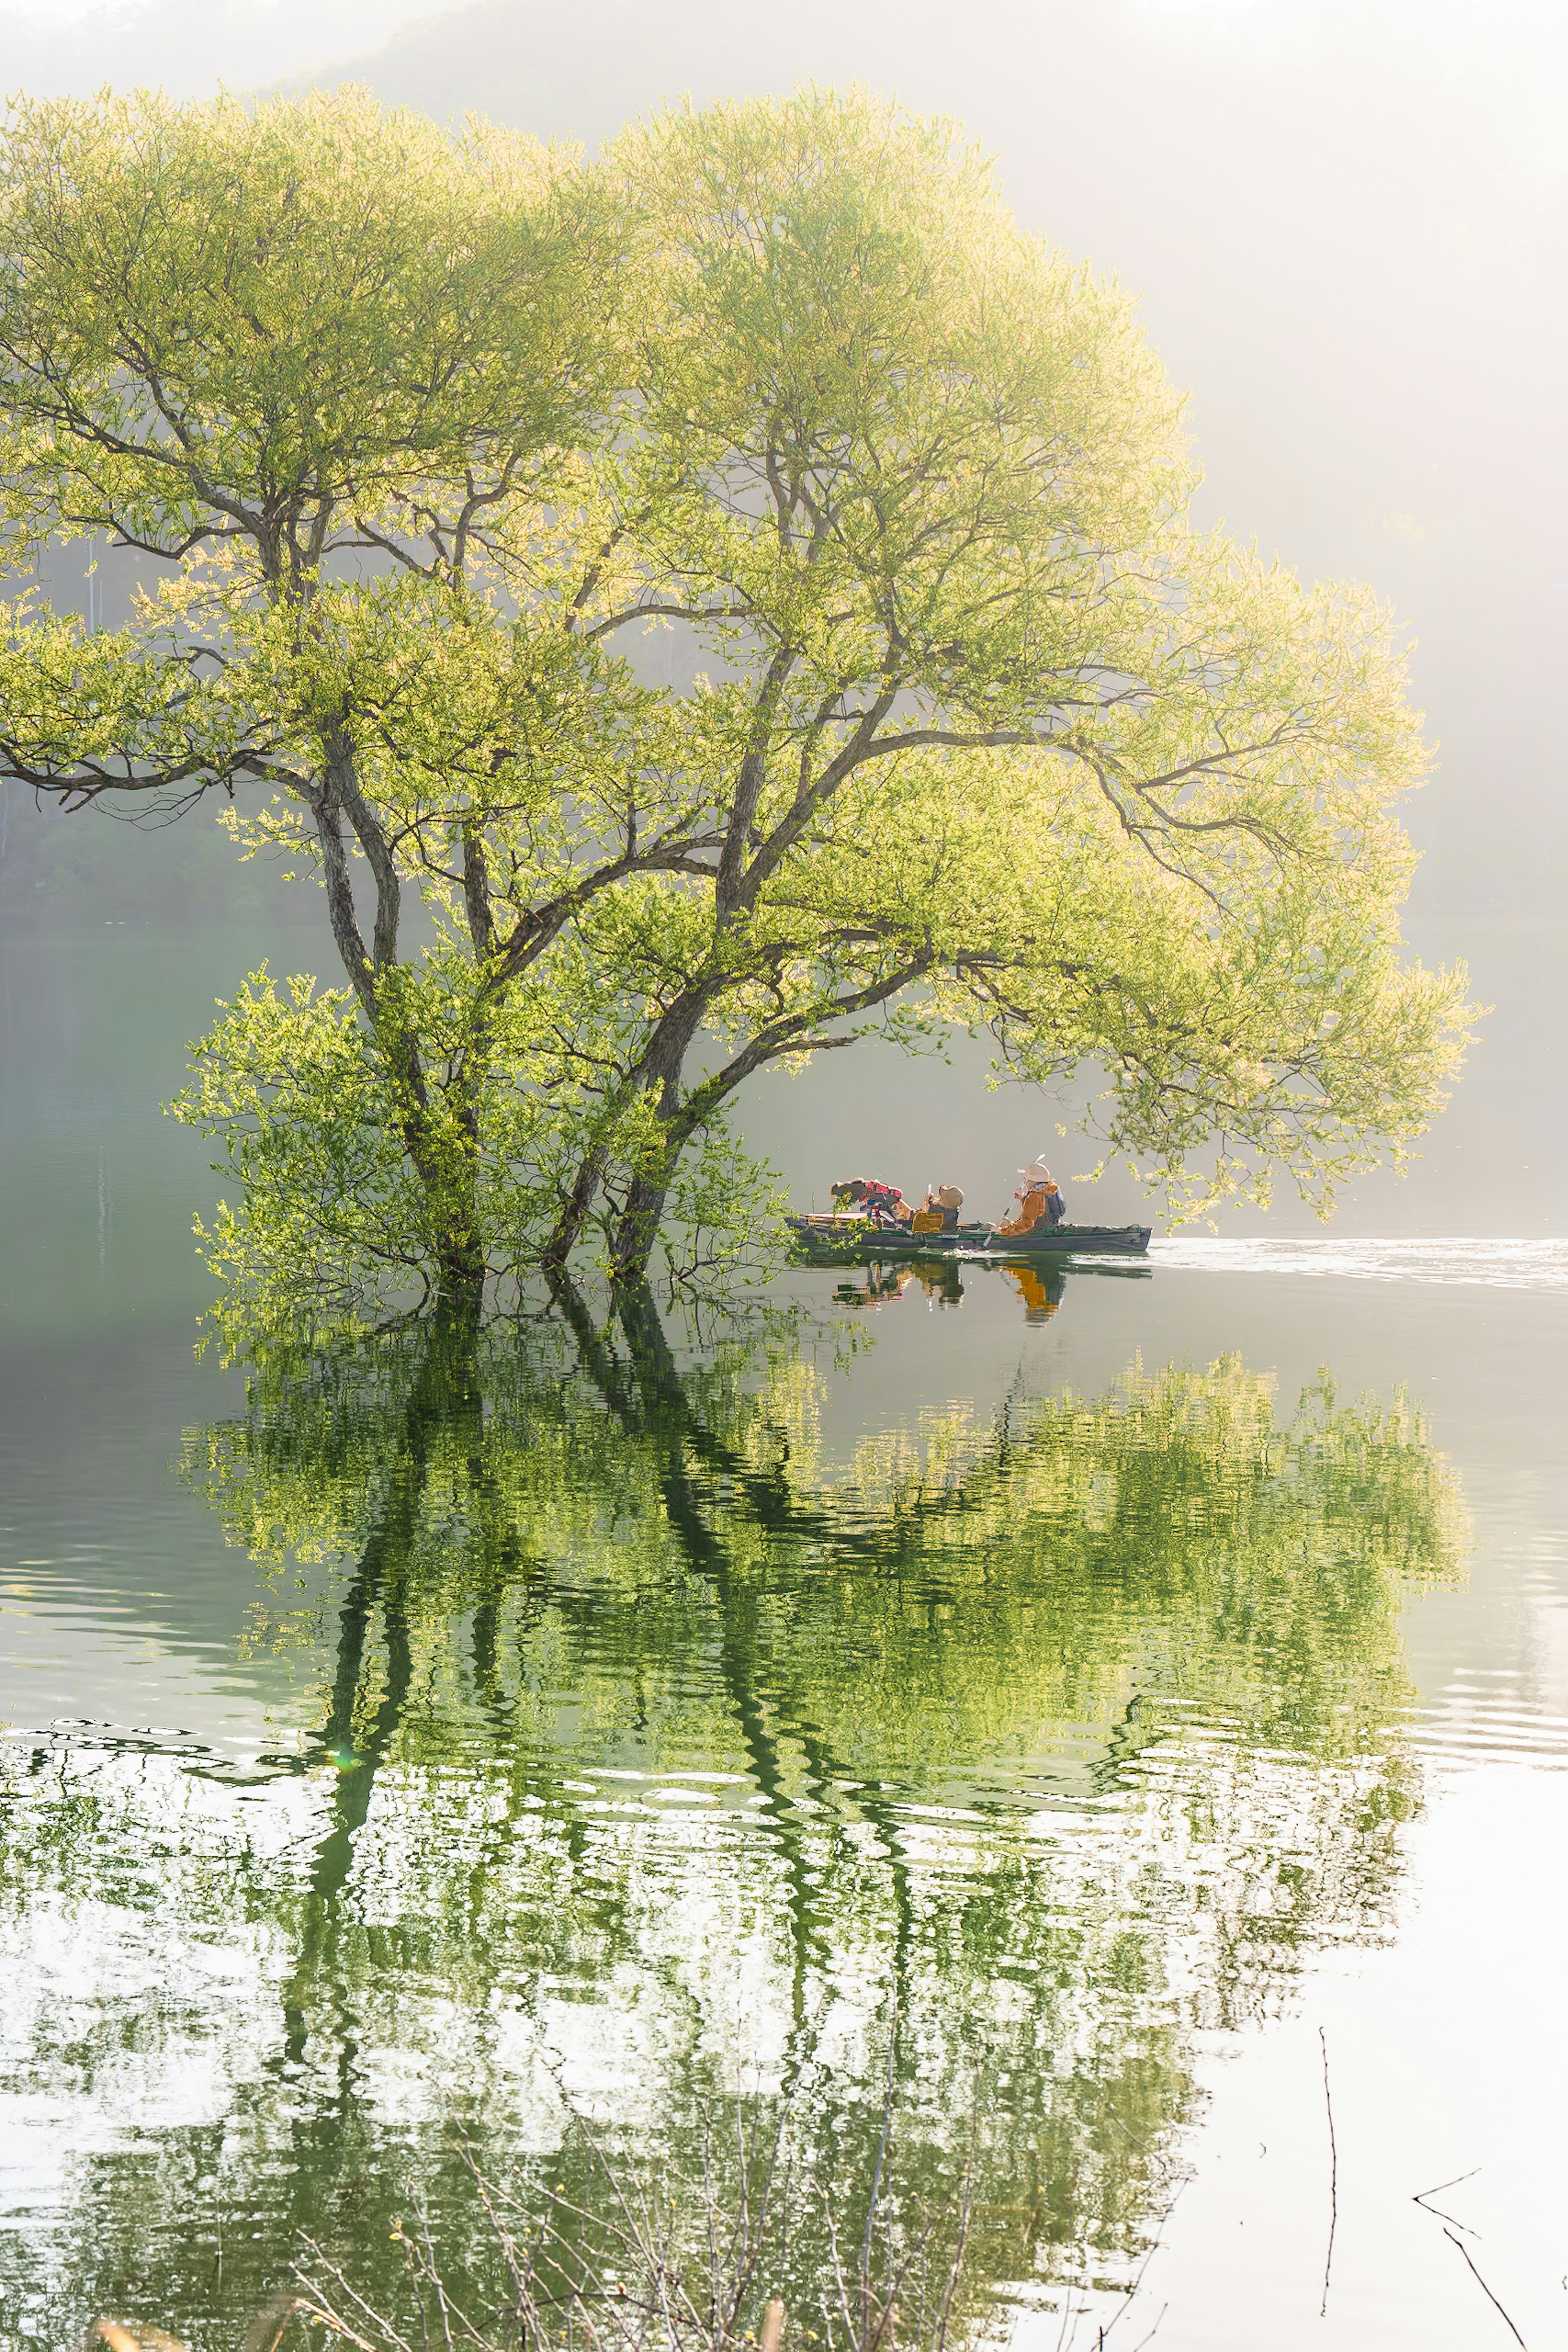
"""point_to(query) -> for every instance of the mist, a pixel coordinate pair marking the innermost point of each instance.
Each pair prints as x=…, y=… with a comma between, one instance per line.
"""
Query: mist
x=1345, y=226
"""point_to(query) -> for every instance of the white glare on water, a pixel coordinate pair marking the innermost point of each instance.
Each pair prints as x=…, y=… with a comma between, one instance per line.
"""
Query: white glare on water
x=1508, y=1265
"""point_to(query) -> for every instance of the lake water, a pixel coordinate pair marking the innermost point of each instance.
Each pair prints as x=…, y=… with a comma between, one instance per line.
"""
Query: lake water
x=1127, y=1712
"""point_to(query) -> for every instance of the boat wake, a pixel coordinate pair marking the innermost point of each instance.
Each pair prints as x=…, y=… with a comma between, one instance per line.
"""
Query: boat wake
x=1505, y=1265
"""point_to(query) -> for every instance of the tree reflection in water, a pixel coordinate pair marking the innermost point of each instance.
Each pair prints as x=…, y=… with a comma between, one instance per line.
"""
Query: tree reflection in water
x=657, y=1752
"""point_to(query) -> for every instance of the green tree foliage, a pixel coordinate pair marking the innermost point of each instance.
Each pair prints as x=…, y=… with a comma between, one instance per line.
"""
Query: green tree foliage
x=290, y=357
x=441, y=445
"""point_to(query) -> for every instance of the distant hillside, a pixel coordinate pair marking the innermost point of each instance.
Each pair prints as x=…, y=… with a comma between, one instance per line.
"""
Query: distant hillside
x=185, y=47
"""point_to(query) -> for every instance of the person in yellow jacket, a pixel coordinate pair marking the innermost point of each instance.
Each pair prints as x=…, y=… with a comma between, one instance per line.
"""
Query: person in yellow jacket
x=1039, y=1198
x=939, y=1212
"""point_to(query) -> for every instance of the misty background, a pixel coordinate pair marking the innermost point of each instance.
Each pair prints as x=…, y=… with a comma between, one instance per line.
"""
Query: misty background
x=1345, y=225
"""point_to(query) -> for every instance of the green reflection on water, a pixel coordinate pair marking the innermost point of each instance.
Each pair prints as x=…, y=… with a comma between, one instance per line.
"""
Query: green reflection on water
x=647, y=1746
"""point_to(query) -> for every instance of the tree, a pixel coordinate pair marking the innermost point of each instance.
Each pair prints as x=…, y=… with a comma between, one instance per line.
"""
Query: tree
x=962, y=721
x=292, y=357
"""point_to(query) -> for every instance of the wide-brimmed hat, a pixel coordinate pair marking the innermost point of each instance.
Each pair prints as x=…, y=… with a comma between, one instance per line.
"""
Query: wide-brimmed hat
x=1037, y=1171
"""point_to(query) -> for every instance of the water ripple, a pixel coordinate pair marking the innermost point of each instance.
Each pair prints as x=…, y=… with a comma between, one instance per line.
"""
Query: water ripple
x=1466, y=1727
x=1503, y=1265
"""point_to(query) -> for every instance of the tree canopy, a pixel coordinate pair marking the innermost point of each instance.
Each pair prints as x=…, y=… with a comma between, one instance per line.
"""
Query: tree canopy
x=737, y=593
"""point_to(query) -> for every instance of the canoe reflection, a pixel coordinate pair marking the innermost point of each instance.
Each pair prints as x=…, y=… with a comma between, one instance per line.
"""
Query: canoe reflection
x=938, y=1278
x=1041, y=1284
x=1042, y=1287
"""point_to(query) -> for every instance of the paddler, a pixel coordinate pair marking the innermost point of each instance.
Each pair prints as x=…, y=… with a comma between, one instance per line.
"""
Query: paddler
x=939, y=1212
x=1040, y=1201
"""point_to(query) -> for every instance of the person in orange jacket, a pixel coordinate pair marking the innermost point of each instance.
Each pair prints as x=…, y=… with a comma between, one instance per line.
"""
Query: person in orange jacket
x=1039, y=1198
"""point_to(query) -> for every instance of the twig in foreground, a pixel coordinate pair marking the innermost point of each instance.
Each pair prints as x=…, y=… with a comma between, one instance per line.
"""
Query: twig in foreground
x=1333, y=2177
x=1422, y=2194
x=1485, y=2289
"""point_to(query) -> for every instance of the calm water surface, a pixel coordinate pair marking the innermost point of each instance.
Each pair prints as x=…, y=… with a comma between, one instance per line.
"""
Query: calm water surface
x=1099, y=1702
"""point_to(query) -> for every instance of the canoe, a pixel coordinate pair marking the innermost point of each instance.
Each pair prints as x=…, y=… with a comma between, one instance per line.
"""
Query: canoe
x=849, y=1241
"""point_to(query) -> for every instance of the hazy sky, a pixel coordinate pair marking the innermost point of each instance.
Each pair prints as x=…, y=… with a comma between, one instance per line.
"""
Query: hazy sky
x=187, y=46
x=1510, y=56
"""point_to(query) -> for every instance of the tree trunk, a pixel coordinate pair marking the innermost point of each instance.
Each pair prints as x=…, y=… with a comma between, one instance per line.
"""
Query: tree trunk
x=568, y=1224
x=446, y=1164
x=456, y=1243
x=660, y=1076
x=639, y=1227
x=460, y=1271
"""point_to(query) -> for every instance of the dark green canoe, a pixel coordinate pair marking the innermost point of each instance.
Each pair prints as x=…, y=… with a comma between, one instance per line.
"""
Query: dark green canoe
x=844, y=1241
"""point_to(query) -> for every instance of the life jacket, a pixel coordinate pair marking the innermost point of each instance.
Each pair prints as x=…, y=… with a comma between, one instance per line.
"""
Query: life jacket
x=935, y=1221
x=1031, y=1209
x=883, y=1204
